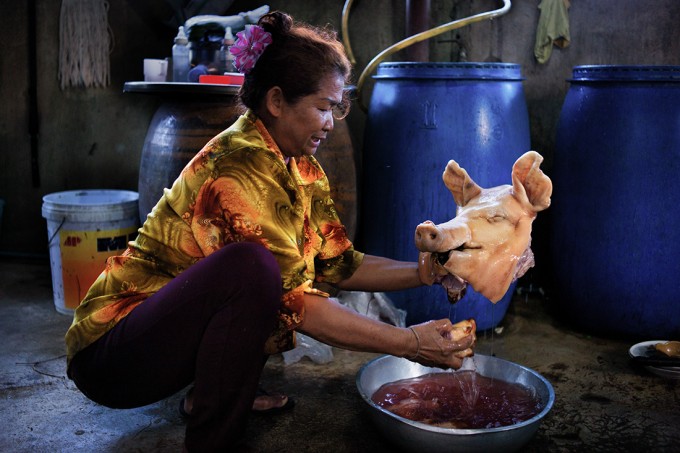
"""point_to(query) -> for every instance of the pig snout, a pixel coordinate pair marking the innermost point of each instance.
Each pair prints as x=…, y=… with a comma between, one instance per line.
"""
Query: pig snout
x=428, y=237
x=441, y=238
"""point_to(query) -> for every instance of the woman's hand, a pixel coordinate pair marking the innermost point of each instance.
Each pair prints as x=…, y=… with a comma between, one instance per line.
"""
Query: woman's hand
x=434, y=343
x=441, y=344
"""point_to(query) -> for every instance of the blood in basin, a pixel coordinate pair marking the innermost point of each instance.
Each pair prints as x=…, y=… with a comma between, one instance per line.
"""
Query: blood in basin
x=461, y=400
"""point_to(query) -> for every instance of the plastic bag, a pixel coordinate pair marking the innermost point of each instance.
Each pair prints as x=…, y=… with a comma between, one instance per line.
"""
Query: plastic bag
x=373, y=305
x=307, y=346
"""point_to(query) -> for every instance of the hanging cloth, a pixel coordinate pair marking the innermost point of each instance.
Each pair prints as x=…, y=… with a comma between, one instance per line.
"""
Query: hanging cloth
x=85, y=42
x=553, y=28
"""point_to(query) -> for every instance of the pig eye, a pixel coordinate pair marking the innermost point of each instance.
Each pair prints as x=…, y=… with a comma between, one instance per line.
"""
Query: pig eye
x=497, y=218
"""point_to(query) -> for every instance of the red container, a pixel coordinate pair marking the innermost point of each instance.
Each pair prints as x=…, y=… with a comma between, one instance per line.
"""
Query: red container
x=228, y=78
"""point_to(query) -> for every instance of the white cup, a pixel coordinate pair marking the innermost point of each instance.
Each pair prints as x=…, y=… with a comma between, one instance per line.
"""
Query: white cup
x=155, y=70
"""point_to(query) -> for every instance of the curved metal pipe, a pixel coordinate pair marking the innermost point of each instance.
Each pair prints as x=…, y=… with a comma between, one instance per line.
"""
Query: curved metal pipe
x=411, y=40
x=345, y=31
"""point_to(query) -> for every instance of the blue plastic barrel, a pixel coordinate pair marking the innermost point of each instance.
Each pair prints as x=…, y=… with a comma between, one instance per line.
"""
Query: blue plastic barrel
x=615, y=239
x=420, y=116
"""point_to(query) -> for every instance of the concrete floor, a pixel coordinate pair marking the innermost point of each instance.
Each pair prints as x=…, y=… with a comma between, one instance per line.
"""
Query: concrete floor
x=602, y=402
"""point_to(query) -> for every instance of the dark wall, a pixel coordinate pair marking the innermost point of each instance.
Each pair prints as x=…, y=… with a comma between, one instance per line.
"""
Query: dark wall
x=53, y=140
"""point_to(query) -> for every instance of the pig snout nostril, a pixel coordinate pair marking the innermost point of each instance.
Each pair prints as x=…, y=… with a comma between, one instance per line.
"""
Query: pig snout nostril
x=427, y=235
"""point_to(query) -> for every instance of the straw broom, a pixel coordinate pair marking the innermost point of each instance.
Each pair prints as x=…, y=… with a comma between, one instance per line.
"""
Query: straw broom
x=85, y=42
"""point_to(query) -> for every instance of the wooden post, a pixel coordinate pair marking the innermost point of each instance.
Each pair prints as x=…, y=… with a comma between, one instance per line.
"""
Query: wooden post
x=417, y=20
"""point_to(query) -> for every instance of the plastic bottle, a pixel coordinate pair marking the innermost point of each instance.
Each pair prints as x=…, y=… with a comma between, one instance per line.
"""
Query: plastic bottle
x=226, y=59
x=180, y=57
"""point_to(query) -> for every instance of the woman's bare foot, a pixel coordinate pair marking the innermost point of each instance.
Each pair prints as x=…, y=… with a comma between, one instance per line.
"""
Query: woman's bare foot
x=187, y=404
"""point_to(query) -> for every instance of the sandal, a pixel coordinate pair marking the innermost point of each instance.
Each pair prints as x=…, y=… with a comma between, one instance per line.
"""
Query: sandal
x=290, y=403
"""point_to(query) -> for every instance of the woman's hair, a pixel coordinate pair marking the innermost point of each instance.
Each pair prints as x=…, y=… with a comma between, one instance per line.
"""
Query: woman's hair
x=298, y=58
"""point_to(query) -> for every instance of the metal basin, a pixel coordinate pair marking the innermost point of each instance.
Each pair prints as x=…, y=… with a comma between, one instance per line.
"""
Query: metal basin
x=415, y=436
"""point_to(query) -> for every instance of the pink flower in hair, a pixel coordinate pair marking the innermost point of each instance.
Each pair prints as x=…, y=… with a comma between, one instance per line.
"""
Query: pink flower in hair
x=249, y=45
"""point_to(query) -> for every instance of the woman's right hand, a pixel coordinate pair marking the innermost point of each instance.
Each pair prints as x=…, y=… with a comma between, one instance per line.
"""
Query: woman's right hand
x=442, y=344
x=433, y=343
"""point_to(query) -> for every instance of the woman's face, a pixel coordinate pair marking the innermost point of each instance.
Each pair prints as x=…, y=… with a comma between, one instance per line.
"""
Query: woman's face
x=301, y=127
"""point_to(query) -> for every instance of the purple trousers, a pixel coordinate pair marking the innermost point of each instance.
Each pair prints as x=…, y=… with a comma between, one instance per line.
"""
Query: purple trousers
x=207, y=326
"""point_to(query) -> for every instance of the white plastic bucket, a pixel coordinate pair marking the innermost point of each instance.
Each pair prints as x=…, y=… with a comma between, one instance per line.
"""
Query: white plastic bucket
x=84, y=228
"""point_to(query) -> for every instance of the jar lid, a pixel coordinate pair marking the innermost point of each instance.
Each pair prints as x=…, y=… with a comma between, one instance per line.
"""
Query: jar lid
x=634, y=73
x=455, y=71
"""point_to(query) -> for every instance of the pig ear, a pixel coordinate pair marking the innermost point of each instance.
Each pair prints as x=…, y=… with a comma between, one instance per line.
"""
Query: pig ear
x=529, y=183
x=462, y=187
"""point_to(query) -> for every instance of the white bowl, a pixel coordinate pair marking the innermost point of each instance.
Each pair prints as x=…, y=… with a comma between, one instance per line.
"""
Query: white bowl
x=643, y=350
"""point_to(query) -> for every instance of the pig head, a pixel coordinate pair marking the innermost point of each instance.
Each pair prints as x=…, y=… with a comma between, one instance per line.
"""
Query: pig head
x=487, y=244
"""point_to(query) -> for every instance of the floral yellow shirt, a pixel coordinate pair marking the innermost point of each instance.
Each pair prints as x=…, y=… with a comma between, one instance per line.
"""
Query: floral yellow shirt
x=237, y=188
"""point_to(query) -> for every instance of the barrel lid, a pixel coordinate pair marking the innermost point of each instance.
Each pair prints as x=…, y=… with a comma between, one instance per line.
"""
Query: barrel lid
x=456, y=71
x=98, y=208
x=91, y=198
x=87, y=205
x=627, y=73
